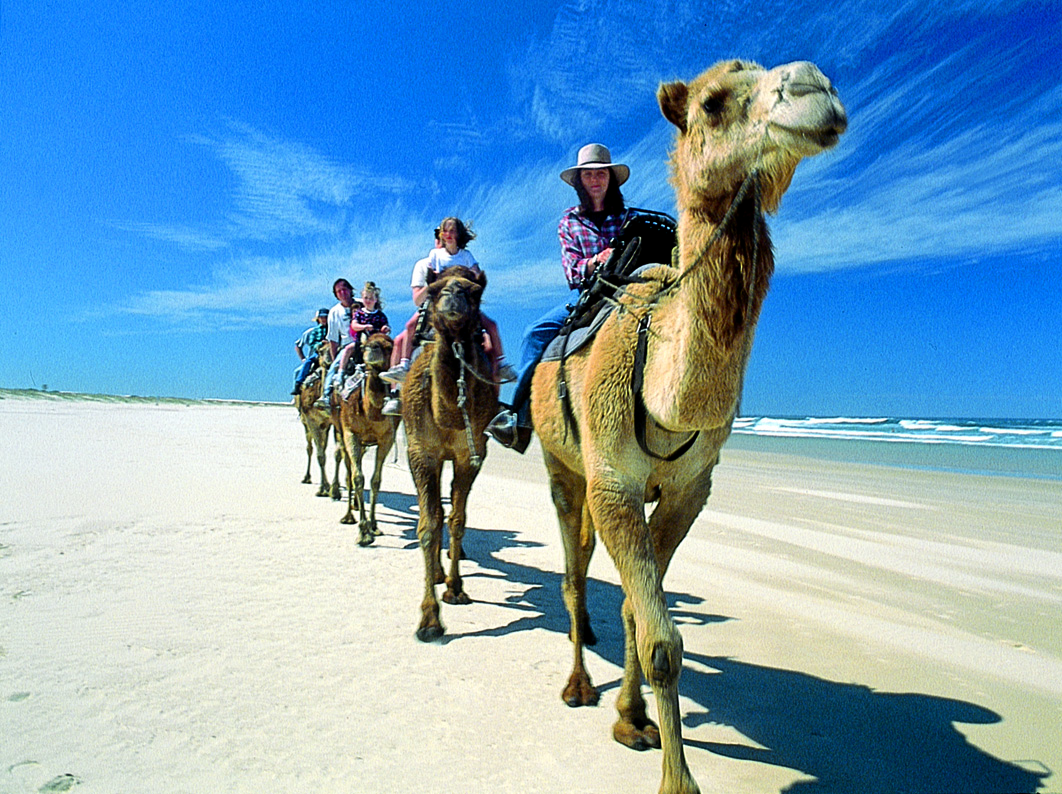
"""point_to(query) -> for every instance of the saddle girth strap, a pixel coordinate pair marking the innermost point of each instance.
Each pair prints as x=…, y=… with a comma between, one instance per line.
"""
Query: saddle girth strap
x=640, y=414
x=562, y=389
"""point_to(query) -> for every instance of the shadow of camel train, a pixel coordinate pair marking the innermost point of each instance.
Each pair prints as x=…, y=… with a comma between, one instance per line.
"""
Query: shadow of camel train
x=847, y=737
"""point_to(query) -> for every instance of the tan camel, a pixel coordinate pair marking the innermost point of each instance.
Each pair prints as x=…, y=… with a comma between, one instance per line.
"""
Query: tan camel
x=741, y=131
x=316, y=422
x=361, y=424
x=448, y=399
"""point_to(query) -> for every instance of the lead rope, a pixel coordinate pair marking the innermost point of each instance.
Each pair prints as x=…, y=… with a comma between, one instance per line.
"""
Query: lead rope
x=462, y=403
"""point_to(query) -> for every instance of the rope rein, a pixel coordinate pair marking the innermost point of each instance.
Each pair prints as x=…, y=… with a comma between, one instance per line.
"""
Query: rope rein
x=753, y=179
x=462, y=402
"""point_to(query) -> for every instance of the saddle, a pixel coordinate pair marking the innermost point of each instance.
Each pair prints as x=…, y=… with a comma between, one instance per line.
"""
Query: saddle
x=645, y=240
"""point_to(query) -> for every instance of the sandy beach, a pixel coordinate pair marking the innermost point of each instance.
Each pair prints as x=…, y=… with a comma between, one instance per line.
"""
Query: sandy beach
x=178, y=613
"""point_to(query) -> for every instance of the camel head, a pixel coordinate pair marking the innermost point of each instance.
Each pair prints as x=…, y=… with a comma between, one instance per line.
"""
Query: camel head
x=376, y=351
x=738, y=117
x=324, y=354
x=453, y=300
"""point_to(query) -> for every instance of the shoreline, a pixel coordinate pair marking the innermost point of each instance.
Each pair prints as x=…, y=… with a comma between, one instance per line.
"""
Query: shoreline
x=973, y=459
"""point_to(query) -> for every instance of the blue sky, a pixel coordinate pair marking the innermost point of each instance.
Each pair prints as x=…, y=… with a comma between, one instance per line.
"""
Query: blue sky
x=181, y=183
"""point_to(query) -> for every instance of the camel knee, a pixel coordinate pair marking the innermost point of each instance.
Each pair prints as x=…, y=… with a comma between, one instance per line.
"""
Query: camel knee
x=664, y=662
x=426, y=538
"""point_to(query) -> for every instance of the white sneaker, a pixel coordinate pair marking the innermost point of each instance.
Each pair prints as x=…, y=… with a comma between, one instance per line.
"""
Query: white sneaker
x=397, y=373
x=393, y=407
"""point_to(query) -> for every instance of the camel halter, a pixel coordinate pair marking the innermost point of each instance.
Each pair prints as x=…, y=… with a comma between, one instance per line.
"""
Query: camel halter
x=641, y=415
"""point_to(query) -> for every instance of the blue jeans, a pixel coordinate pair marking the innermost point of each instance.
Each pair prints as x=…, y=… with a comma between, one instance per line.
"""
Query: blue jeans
x=536, y=339
x=304, y=369
x=329, y=384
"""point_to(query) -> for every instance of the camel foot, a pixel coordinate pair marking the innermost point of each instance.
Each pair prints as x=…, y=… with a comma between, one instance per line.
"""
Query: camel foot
x=645, y=736
x=347, y=519
x=377, y=532
x=307, y=480
x=430, y=633
x=460, y=598
x=323, y=491
x=579, y=691
x=366, y=538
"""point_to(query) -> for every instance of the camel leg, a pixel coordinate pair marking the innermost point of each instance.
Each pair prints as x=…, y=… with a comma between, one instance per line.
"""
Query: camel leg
x=336, y=495
x=577, y=535
x=656, y=644
x=322, y=457
x=365, y=535
x=350, y=447
x=426, y=475
x=464, y=476
x=382, y=450
x=668, y=526
x=309, y=453
x=633, y=728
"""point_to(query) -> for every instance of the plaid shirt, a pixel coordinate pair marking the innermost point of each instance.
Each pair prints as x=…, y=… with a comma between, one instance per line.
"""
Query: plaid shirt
x=311, y=338
x=580, y=239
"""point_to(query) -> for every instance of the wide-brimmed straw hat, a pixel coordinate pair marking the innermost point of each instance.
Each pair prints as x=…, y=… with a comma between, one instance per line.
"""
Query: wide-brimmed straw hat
x=595, y=155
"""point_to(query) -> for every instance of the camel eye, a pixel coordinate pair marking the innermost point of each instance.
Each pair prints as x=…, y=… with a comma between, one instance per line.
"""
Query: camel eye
x=714, y=105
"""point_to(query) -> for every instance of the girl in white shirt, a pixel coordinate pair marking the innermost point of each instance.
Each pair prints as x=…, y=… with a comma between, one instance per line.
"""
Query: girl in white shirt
x=452, y=235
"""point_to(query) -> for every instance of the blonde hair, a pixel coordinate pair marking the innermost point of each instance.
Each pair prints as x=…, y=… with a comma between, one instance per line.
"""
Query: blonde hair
x=371, y=288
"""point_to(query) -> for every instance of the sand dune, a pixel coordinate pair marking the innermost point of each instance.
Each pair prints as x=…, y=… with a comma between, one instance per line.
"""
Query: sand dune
x=179, y=614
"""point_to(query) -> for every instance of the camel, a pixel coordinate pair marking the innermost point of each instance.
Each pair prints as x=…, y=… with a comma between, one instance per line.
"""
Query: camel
x=360, y=425
x=448, y=399
x=740, y=132
x=316, y=422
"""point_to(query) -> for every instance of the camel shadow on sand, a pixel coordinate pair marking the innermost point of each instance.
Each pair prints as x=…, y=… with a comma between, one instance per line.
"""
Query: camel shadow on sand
x=845, y=737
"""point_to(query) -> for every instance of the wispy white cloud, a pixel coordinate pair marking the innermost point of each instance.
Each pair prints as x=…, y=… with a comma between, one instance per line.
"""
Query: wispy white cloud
x=920, y=175
x=925, y=173
x=284, y=189
x=184, y=237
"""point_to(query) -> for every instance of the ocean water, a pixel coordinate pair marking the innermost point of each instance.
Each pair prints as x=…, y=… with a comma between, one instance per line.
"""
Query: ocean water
x=1021, y=448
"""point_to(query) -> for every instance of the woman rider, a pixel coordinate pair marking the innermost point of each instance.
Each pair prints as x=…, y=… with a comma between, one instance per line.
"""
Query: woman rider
x=585, y=232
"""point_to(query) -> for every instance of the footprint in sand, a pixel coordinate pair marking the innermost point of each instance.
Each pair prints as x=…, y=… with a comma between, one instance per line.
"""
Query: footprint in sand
x=58, y=784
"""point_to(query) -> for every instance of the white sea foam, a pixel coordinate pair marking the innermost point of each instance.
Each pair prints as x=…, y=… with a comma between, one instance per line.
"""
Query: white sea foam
x=1014, y=431
x=1032, y=434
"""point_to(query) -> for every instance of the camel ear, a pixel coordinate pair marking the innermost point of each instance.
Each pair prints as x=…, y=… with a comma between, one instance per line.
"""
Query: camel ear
x=674, y=99
x=481, y=279
x=430, y=276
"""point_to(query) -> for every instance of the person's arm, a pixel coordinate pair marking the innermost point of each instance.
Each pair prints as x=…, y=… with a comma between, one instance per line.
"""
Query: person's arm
x=577, y=261
x=298, y=350
x=419, y=282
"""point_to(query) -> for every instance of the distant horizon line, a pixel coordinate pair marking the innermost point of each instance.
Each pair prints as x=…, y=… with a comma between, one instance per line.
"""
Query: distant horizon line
x=38, y=393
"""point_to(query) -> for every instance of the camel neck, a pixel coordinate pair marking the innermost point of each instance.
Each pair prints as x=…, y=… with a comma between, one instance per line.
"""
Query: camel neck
x=705, y=329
